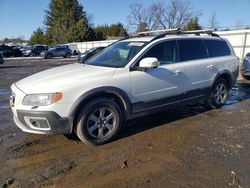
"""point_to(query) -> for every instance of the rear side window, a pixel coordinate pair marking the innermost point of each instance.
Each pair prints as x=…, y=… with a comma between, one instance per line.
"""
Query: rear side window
x=192, y=49
x=165, y=52
x=217, y=48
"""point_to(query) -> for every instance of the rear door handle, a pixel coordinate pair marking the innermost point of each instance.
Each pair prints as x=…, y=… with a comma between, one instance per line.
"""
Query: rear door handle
x=177, y=72
x=210, y=67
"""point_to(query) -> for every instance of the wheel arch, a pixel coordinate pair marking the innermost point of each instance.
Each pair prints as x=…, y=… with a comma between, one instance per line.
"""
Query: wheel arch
x=118, y=95
x=226, y=75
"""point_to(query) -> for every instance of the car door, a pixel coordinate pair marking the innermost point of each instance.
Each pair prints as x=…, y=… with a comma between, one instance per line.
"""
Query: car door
x=162, y=85
x=198, y=69
x=57, y=52
x=62, y=51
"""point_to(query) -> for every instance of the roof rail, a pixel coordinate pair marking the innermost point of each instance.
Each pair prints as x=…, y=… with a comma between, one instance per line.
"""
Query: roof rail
x=175, y=31
x=197, y=32
x=157, y=32
x=179, y=32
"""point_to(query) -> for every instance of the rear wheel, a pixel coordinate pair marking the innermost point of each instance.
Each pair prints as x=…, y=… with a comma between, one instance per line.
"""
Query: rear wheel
x=219, y=93
x=68, y=55
x=99, y=121
x=49, y=56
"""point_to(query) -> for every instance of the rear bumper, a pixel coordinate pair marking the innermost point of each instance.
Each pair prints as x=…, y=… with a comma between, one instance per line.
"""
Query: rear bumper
x=26, y=121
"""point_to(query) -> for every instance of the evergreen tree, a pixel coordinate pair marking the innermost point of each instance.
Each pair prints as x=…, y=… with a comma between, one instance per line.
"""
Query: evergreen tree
x=193, y=24
x=114, y=30
x=66, y=21
x=38, y=37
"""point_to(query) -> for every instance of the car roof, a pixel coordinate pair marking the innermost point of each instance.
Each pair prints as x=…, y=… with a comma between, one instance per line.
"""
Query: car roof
x=181, y=36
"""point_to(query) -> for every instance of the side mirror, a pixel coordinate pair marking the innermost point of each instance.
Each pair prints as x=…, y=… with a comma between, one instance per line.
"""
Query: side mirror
x=149, y=63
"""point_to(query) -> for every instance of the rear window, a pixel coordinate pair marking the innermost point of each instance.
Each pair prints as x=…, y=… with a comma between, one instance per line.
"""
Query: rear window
x=191, y=49
x=217, y=48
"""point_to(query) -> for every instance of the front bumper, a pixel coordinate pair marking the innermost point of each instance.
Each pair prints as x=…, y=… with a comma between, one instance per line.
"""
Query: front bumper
x=245, y=68
x=26, y=121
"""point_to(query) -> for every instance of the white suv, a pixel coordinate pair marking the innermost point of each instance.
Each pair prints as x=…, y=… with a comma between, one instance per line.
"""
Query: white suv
x=130, y=78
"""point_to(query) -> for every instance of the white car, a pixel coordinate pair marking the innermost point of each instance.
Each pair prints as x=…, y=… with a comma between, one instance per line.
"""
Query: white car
x=130, y=78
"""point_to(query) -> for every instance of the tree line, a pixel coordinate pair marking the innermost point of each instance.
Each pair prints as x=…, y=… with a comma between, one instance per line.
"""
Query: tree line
x=66, y=21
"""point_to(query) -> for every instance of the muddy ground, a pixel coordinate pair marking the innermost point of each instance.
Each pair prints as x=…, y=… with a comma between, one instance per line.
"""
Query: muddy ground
x=187, y=147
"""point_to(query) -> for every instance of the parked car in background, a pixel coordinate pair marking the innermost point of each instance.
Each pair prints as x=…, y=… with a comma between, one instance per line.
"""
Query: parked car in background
x=130, y=78
x=245, y=67
x=8, y=51
x=34, y=50
x=89, y=53
x=58, y=51
x=73, y=48
x=1, y=59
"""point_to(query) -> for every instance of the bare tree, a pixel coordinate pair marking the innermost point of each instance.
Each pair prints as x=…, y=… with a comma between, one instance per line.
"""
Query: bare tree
x=174, y=15
x=213, y=23
x=142, y=18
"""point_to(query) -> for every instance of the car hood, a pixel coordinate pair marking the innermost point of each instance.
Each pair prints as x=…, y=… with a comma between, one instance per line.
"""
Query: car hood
x=59, y=78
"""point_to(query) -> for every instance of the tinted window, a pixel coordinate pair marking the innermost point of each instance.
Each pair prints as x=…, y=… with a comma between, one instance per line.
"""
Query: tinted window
x=165, y=52
x=217, y=48
x=59, y=49
x=192, y=49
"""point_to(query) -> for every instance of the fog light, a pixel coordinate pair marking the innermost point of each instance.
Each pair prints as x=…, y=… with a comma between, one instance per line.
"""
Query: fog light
x=38, y=123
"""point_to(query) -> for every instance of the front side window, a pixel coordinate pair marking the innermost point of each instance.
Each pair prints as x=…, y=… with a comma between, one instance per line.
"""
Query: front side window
x=116, y=55
x=192, y=49
x=165, y=52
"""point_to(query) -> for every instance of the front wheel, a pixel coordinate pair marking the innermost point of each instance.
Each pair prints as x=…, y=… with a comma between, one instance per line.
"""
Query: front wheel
x=49, y=56
x=219, y=93
x=99, y=121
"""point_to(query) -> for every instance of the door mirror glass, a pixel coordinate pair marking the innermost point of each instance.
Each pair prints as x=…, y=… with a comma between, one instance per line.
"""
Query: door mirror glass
x=149, y=63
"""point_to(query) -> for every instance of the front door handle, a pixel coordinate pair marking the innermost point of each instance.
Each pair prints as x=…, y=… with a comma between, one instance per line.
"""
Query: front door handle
x=177, y=72
x=210, y=67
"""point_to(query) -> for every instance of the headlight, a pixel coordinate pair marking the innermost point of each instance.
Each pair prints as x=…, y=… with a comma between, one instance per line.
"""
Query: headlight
x=42, y=99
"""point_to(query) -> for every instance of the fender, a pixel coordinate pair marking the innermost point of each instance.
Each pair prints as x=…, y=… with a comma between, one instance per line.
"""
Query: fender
x=226, y=73
x=122, y=95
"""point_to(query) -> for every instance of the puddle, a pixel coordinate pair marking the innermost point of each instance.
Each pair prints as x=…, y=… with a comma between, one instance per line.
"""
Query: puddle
x=5, y=91
x=236, y=95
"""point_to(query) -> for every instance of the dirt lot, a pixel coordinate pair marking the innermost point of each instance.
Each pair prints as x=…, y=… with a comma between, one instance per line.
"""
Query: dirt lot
x=188, y=147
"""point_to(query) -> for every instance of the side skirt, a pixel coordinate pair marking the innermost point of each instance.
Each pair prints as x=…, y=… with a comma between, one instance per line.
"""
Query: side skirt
x=145, y=108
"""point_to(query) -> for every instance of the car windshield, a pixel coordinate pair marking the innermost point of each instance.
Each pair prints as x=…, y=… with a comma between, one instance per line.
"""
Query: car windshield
x=116, y=55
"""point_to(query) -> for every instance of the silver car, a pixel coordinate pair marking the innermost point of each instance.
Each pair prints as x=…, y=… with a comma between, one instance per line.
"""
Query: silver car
x=59, y=51
x=245, y=67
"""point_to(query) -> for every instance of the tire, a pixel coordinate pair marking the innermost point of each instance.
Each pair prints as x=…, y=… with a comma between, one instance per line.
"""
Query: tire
x=68, y=55
x=49, y=56
x=219, y=93
x=33, y=54
x=95, y=125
